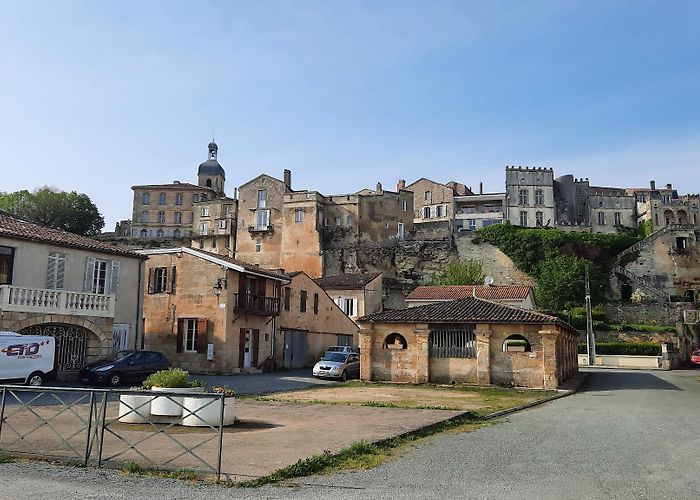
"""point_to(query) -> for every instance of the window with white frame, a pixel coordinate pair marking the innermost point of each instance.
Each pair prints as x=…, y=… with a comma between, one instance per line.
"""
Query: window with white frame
x=618, y=218
x=404, y=206
x=178, y=217
x=98, y=278
x=258, y=245
x=161, y=199
x=203, y=228
x=178, y=199
x=145, y=199
x=523, y=219
x=176, y=233
x=338, y=221
x=222, y=223
x=348, y=220
x=160, y=279
x=189, y=337
x=160, y=233
x=428, y=196
x=298, y=215
x=471, y=224
x=347, y=305
x=440, y=211
x=601, y=218
x=400, y=231
x=195, y=198
x=144, y=216
x=262, y=219
x=426, y=212
x=262, y=198
x=161, y=217
x=56, y=271
x=539, y=219
x=205, y=211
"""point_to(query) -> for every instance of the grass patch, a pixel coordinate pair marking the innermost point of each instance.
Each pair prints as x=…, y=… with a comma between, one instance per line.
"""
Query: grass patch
x=364, y=455
x=134, y=469
x=4, y=459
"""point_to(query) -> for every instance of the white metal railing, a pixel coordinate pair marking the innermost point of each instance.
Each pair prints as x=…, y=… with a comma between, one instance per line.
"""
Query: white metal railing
x=38, y=300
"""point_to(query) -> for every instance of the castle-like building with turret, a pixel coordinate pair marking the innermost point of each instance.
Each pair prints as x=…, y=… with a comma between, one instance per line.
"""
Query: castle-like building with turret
x=184, y=210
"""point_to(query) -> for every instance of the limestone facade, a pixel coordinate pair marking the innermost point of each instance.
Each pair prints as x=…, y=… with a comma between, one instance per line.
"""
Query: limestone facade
x=435, y=201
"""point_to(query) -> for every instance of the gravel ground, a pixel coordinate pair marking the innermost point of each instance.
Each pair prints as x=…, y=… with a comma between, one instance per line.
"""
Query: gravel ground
x=630, y=434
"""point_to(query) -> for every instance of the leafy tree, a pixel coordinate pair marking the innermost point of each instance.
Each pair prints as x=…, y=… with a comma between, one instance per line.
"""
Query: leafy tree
x=461, y=272
x=561, y=282
x=69, y=211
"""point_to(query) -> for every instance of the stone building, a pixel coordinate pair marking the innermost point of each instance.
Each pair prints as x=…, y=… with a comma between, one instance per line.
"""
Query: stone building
x=286, y=229
x=479, y=210
x=84, y=292
x=664, y=206
x=469, y=341
x=310, y=321
x=209, y=312
x=173, y=210
x=357, y=294
x=522, y=296
x=530, y=196
x=434, y=201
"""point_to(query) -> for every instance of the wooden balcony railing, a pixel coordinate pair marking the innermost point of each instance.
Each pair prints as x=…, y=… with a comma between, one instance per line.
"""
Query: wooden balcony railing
x=256, y=304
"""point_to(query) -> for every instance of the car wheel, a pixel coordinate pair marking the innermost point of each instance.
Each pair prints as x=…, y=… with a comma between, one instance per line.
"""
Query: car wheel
x=344, y=377
x=36, y=379
x=115, y=379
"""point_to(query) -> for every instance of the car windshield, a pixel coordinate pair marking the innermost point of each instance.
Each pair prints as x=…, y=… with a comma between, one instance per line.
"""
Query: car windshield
x=336, y=357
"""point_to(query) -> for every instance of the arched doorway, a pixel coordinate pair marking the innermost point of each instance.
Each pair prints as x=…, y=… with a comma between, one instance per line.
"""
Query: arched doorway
x=71, y=347
x=682, y=217
x=669, y=217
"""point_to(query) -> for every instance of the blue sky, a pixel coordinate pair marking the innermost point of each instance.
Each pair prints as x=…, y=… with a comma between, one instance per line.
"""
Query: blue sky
x=99, y=96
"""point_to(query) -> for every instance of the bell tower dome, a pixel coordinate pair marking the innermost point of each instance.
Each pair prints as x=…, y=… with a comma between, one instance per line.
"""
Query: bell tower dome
x=211, y=174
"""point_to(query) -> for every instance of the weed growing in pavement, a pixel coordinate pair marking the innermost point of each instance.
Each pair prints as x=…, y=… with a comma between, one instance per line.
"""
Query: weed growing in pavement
x=133, y=468
x=4, y=459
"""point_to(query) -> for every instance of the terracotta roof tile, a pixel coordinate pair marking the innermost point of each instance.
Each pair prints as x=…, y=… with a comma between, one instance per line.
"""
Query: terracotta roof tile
x=245, y=265
x=463, y=311
x=14, y=227
x=454, y=292
x=348, y=281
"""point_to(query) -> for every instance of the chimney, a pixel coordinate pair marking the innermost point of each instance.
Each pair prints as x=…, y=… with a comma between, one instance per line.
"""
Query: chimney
x=235, y=193
x=481, y=188
x=669, y=186
x=652, y=185
x=401, y=185
x=176, y=182
x=379, y=188
x=288, y=179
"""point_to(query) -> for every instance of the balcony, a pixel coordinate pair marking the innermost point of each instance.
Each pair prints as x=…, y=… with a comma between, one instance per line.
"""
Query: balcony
x=261, y=229
x=41, y=301
x=256, y=304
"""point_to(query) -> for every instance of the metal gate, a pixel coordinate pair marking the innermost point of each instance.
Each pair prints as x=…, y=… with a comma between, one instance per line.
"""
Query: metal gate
x=71, y=344
x=294, y=349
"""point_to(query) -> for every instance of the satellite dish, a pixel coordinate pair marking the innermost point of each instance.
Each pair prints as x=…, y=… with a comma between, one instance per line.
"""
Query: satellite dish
x=488, y=281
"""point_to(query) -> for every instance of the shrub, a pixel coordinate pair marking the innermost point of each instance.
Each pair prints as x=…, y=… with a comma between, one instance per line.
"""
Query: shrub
x=561, y=284
x=625, y=348
x=171, y=378
x=460, y=272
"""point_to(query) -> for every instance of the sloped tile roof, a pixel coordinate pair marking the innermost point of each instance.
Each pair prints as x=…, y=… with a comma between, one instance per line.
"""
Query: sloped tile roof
x=245, y=265
x=347, y=281
x=14, y=227
x=454, y=292
x=463, y=311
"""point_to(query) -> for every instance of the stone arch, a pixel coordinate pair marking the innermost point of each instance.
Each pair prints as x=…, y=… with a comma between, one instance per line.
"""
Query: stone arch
x=395, y=341
x=63, y=319
x=669, y=216
x=682, y=216
x=516, y=343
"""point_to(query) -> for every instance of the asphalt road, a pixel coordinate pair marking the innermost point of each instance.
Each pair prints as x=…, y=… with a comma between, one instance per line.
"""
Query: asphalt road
x=629, y=434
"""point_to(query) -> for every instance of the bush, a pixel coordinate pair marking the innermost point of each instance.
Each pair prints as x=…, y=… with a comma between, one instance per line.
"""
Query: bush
x=561, y=283
x=460, y=272
x=625, y=348
x=174, y=378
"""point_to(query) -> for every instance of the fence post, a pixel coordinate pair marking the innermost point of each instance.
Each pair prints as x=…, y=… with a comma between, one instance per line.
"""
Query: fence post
x=101, y=419
x=88, y=447
x=2, y=408
x=221, y=436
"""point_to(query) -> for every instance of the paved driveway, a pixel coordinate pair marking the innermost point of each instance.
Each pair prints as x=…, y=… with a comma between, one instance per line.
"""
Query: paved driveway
x=630, y=434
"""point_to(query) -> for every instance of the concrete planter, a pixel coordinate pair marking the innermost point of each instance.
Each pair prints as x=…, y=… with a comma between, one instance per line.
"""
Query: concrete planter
x=170, y=406
x=134, y=408
x=206, y=410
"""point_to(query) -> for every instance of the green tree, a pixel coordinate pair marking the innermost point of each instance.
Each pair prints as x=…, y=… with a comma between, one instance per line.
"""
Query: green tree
x=561, y=282
x=461, y=272
x=69, y=211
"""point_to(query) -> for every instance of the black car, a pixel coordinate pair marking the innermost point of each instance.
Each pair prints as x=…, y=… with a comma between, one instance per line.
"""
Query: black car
x=123, y=367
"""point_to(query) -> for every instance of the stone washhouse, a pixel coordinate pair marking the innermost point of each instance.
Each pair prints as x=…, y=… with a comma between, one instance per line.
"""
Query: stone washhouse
x=471, y=341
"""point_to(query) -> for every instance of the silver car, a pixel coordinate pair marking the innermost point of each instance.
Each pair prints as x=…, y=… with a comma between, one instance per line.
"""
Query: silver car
x=338, y=365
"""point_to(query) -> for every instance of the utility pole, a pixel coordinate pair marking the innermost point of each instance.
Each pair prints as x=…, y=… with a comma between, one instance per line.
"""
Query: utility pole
x=590, y=336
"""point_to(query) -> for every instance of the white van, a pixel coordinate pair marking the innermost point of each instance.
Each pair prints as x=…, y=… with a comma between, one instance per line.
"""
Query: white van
x=26, y=358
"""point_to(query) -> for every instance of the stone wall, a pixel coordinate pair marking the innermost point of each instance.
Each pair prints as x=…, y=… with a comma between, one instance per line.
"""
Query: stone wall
x=653, y=314
x=496, y=264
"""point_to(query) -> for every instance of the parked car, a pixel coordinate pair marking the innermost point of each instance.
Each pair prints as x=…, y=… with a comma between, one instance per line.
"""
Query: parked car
x=28, y=359
x=695, y=358
x=343, y=348
x=338, y=365
x=124, y=367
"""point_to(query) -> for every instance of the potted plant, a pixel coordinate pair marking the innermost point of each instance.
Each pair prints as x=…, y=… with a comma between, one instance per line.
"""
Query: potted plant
x=203, y=411
x=135, y=408
x=174, y=380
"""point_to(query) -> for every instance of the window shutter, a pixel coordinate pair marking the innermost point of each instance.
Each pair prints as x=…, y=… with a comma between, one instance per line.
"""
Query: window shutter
x=255, y=347
x=152, y=280
x=241, y=348
x=51, y=272
x=202, y=339
x=170, y=287
x=181, y=325
x=89, y=270
x=114, y=278
x=60, y=271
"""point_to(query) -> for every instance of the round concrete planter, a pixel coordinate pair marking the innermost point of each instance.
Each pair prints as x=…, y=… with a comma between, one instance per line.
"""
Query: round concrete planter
x=134, y=408
x=205, y=411
x=170, y=406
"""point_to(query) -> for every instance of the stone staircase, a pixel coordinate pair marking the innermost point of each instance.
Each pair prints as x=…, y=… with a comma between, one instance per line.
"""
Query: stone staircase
x=652, y=237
